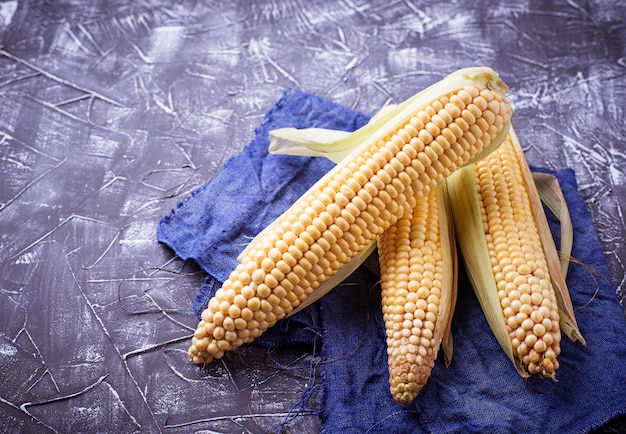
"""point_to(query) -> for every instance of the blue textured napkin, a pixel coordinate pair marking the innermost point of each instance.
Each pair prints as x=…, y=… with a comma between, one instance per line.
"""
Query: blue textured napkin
x=480, y=391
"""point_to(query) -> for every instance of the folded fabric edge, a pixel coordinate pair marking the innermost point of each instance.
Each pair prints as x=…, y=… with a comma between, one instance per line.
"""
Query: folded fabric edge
x=162, y=234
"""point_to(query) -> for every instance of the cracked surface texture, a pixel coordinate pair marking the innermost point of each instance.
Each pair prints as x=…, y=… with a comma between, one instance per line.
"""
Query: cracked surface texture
x=112, y=112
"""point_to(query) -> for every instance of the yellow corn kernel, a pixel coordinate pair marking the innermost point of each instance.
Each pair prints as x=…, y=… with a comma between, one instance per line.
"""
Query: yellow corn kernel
x=418, y=289
x=518, y=259
x=335, y=200
x=501, y=233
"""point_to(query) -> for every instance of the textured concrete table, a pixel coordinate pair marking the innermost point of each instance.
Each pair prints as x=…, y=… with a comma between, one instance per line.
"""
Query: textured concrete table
x=112, y=112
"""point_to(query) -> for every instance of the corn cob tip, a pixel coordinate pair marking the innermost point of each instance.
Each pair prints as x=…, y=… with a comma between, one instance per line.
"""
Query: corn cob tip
x=408, y=377
x=491, y=79
x=415, y=260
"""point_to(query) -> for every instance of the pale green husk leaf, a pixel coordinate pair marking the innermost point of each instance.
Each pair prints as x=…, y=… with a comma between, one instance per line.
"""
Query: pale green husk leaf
x=319, y=141
x=449, y=283
x=475, y=253
x=552, y=196
x=379, y=127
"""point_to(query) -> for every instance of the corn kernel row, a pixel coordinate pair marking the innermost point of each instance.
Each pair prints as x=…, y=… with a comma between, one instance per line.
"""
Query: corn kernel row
x=526, y=294
x=331, y=224
x=411, y=269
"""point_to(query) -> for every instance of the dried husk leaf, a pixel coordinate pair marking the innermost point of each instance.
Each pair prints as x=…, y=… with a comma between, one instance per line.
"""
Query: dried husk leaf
x=551, y=195
x=311, y=142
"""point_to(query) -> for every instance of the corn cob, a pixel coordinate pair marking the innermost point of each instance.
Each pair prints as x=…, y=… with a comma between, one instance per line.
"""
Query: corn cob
x=431, y=136
x=515, y=289
x=526, y=295
x=418, y=282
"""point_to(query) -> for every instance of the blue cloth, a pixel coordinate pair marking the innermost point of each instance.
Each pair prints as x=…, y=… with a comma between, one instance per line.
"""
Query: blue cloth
x=480, y=391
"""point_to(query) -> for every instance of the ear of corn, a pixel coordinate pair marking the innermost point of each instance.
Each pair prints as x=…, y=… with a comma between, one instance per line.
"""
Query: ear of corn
x=399, y=158
x=418, y=282
x=418, y=264
x=502, y=236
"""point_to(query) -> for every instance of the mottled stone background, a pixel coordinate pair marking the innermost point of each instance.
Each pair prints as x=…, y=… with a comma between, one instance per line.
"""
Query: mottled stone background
x=113, y=111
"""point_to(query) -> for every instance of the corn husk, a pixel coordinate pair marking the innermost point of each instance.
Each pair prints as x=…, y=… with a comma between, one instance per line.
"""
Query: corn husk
x=336, y=145
x=473, y=246
x=449, y=284
x=552, y=197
